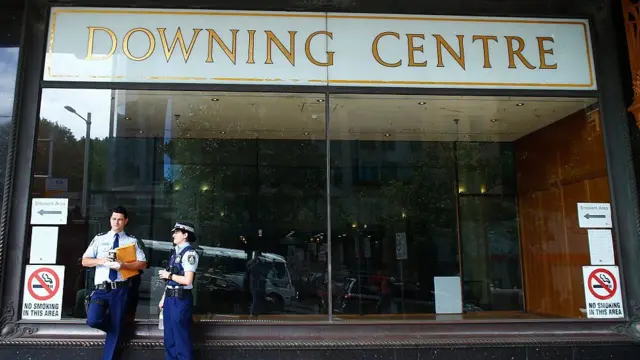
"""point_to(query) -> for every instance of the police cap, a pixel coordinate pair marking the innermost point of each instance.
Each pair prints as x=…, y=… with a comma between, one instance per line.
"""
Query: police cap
x=183, y=225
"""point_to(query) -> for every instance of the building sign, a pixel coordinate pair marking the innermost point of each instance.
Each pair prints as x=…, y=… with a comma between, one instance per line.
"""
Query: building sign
x=286, y=48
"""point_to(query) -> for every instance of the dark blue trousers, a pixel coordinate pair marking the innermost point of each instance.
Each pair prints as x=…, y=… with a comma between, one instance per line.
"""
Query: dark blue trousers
x=107, y=311
x=177, y=320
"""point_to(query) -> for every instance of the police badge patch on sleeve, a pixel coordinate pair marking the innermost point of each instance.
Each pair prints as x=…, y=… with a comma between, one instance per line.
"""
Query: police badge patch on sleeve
x=191, y=259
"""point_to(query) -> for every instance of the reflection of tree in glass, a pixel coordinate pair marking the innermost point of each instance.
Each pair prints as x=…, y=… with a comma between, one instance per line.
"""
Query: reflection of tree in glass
x=232, y=187
x=68, y=157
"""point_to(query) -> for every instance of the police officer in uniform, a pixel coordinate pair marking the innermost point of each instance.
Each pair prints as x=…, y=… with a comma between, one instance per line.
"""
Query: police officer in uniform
x=108, y=304
x=177, y=301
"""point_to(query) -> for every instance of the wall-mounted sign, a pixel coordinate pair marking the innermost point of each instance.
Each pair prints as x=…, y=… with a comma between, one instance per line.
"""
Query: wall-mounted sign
x=602, y=292
x=42, y=296
x=49, y=211
x=594, y=215
x=287, y=48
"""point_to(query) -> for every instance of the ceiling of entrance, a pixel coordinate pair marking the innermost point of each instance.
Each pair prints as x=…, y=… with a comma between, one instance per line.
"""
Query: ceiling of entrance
x=351, y=117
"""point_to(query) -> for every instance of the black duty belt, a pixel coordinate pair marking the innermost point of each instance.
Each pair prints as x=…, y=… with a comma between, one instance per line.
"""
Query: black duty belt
x=110, y=285
x=179, y=292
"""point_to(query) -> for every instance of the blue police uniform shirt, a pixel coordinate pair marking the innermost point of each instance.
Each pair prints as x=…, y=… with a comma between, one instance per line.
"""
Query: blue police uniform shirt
x=189, y=261
x=99, y=248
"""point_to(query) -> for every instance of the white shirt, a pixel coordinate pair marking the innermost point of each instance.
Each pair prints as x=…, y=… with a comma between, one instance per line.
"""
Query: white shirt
x=99, y=248
x=189, y=261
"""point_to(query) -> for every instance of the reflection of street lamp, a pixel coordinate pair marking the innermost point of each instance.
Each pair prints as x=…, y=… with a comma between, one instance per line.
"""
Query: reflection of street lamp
x=85, y=176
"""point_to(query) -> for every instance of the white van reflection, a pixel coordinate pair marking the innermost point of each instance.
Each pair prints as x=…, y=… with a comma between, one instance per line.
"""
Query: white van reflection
x=219, y=269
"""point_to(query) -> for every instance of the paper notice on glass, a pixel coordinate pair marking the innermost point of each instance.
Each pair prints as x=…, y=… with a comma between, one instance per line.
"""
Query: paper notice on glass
x=601, y=247
x=448, y=294
x=44, y=245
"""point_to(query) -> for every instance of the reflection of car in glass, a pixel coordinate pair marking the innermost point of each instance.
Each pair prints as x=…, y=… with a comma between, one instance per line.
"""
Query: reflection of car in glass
x=231, y=264
x=220, y=277
x=362, y=295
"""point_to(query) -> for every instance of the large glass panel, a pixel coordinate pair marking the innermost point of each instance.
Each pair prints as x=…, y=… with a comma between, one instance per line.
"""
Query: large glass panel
x=461, y=206
x=248, y=169
x=10, y=20
x=441, y=207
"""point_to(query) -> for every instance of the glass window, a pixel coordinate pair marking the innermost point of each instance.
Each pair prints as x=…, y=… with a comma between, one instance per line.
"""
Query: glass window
x=439, y=205
x=9, y=50
x=462, y=205
x=248, y=169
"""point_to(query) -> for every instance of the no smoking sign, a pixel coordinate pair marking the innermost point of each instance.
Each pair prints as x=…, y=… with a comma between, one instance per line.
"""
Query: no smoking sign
x=44, y=284
x=602, y=292
x=42, y=297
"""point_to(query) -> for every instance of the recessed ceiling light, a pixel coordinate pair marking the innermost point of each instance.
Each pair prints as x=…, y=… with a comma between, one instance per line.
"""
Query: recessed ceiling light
x=519, y=104
x=387, y=135
x=467, y=136
x=127, y=118
x=306, y=133
x=422, y=103
x=221, y=132
x=494, y=120
x=215, y=99
x=320, y=100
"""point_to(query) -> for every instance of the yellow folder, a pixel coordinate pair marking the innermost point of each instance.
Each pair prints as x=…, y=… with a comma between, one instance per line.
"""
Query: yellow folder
x=127, y=254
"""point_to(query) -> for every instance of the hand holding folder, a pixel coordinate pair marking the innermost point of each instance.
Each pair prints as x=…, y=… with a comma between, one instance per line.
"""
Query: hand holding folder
x=127, y=254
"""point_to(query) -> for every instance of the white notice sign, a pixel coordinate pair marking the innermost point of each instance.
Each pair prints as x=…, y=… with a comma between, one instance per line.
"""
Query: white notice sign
x=49, y=211
x=44, y=245
x=594, y=215
x=448, y=294
x=401, y=246
x=601, y=247
x=42, y=295
x=602, y=292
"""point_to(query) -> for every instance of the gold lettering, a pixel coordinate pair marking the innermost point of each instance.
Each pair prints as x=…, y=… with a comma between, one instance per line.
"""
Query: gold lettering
x=459, y=58
x=485, y=47
x=518, y=52
x=252, y=47
x=231, y=54
x=307, y=49
x=125, y=44
x=114, y=43
x=413, y=48
x=376, y=54
x=542, y=51
x=178, y=38
x=289, y=54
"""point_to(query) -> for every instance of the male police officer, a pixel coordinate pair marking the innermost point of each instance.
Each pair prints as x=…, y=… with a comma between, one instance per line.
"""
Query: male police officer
x=108, y=304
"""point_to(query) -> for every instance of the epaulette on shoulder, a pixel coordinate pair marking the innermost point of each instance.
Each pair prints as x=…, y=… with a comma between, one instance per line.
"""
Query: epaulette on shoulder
x=130, y=235
x=103, y=233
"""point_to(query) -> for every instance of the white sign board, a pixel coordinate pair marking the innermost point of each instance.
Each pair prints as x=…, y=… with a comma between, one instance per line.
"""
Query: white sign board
x=602, y=292
x=318, y=49
x=594, y=215
x=42, y=296
x=448, y=294
x=601, y=247
x=49, y=211
x=44, y=245
x=401, y=246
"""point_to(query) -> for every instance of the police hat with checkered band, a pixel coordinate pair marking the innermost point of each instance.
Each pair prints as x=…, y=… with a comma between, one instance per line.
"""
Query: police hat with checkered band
x=186, y=227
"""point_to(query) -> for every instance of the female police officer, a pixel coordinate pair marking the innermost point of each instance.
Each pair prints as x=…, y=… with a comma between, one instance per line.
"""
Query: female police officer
x=177, y=301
